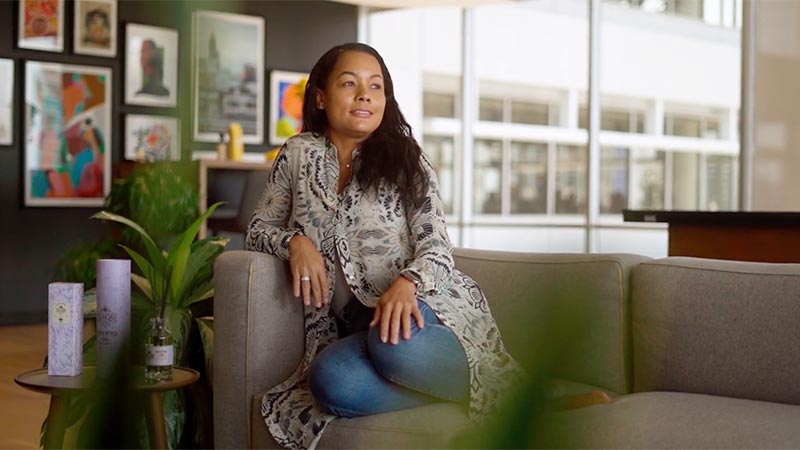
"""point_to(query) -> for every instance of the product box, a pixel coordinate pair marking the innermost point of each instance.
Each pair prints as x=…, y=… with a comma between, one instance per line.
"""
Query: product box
x=65, y=329
x=113, y=312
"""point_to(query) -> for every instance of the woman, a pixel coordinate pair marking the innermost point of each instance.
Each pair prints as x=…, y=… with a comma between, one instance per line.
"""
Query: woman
x=353, y=205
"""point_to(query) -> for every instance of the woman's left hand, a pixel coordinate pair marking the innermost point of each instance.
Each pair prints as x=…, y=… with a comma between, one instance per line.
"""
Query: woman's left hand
x=395, y=308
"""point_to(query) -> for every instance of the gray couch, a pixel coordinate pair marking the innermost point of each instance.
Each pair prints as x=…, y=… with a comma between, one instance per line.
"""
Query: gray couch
x=696, y=353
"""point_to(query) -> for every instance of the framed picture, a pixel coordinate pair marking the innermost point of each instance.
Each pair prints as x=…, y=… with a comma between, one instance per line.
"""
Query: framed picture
x=152, y=138
x=286, y=104
x=67, y=134
x=151, y=66
x=6, y=101
x=96, y=27
x=228, y=75
x=41, y=25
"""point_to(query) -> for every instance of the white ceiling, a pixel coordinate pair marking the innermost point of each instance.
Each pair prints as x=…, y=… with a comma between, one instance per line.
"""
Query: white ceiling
x=393, y=4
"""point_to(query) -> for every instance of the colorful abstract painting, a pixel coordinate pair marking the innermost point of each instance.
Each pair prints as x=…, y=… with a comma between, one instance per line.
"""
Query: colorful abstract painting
x=228, y=70
x=41, y=25
x=96, y=27
x=6, y=100
x=151, y=65
x=152, y=138
x=67, y=134
x=286, y=105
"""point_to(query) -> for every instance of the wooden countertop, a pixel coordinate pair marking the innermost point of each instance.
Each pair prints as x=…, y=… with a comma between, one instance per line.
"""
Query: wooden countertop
x=713, y=217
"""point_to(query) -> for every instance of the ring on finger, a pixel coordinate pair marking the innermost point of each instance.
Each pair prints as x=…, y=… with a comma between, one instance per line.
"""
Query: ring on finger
x=305, y=278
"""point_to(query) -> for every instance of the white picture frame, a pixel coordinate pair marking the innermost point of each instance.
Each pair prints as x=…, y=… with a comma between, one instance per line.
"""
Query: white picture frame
x=39, y=27
x=150, y=138
x=6, y=101
x=68, y=134
x=162, y=43
x=95, y=28
x=227, y=75
x=285, y=118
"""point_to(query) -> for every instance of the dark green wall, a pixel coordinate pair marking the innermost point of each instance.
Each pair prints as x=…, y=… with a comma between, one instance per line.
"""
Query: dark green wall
x=32, y=239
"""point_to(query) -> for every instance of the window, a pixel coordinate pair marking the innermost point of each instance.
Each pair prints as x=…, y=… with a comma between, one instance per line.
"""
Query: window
x=571, y=164
x=613, y=179
x=528, y=178
x=626, y=121
x=490, y=109
x=487, y=180
x=685, y=181
x=531, y=113
x=711, y=129
x=647, y=179
x=706, y=127
x=528, y=160
x=438, y=105
x=720, y=177
x=680, y=125
x=685, y=8
x=440, y=151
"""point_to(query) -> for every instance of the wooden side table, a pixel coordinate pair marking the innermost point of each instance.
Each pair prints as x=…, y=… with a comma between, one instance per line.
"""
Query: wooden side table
x=61, y=387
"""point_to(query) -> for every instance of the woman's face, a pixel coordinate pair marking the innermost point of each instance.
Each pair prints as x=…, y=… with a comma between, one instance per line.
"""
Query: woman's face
x=354, y=97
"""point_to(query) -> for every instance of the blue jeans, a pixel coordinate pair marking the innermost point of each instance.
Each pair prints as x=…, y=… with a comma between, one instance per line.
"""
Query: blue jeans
x=359, y=375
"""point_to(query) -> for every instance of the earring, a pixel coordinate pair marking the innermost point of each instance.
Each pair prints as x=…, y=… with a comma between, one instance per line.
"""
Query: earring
x=320, y=106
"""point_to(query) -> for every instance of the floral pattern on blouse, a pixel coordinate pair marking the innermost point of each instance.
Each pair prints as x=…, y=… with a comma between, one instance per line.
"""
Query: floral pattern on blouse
x=377, y=240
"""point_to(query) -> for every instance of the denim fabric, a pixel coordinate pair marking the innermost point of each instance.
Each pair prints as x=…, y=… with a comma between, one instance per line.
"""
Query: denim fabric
x=360, y=375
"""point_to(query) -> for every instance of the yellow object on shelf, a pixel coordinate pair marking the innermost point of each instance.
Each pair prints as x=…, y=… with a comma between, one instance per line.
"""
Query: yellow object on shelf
x=222, y=150
x=235, y=144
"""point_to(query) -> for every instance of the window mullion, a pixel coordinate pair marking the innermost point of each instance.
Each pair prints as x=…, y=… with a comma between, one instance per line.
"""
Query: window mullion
x=468, y=103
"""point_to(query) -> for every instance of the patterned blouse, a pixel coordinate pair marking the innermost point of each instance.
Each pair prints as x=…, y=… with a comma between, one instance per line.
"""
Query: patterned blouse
x=377, y=240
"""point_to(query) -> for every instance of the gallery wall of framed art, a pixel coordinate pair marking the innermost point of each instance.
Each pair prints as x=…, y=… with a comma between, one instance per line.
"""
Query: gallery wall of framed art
x=286, y=104
x=151, y=138
x=95, y=30
x=228, y=82
x=6, y=101
x=67, y=134
x=48, y=33
x=151, y=65
x=41, y=25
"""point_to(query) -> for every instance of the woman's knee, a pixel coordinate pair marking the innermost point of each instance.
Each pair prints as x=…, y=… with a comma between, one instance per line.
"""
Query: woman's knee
x=327, y=388
x=432, y=362
x=389, y=359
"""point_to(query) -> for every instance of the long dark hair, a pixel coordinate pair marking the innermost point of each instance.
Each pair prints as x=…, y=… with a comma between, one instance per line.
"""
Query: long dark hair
x=390, y=154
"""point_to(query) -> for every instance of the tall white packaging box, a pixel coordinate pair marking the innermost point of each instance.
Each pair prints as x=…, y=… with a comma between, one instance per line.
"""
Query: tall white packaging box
x=65, y=329
x=113, y=312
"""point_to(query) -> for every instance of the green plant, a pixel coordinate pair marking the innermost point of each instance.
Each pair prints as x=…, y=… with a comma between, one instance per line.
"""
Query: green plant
x=160, y=197
x=181, y=277
x=187, y=263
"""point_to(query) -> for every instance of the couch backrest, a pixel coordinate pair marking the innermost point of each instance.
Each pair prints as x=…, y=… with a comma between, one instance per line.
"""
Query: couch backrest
x=717, y=327
x=565, y=311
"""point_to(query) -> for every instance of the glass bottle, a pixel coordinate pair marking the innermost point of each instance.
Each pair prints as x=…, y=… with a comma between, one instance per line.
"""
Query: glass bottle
x=158, y=352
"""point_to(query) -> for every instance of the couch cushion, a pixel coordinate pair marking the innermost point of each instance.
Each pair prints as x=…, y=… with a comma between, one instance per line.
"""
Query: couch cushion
x=430, y=426
x=678, y=420
x=717, y=327
x=567, y=312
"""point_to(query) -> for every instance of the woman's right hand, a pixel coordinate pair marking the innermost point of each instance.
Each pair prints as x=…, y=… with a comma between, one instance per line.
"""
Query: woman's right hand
x=306, y=261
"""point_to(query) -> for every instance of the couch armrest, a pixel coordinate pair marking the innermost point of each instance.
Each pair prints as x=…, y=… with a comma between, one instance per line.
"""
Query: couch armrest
x=258, y=338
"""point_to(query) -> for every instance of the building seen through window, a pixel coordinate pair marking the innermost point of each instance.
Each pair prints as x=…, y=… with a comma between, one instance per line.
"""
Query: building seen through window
x=438, y=105
x=440, y=151
x=668, y=133
x=528, y=191
x=488, y=173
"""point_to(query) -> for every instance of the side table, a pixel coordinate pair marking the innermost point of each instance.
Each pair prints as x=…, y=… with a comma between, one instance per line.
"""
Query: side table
x=61, y=387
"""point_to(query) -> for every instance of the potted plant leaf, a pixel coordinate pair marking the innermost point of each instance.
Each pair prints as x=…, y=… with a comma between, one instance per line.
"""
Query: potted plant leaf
x=186, y=271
